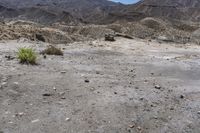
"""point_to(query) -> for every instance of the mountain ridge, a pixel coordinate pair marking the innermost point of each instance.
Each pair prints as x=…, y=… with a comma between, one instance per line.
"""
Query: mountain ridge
x=99, y=11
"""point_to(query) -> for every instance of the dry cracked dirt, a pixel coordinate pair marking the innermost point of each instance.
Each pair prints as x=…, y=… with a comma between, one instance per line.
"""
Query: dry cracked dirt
x=126, y=86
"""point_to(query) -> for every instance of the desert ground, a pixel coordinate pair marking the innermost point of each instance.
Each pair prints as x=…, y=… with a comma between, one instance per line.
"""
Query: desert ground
x=126, y=86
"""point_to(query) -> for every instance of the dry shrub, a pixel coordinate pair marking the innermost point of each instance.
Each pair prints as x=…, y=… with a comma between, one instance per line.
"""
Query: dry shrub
x=51, y=50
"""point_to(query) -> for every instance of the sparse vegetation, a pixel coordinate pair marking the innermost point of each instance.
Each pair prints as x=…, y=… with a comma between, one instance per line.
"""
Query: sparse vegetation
x=51, y=50
x=26, y=56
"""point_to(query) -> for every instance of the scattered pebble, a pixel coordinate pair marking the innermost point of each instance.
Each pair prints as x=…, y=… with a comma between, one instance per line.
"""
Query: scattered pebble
x=181, y=96
x=139, y=128
x=4, y=83
x=198, y=112
x=10, y=122
x=97, y=72
x=141, y=98
x=16, y=83
x=158, y=87
x=92, y=89
x=67, y=119
x=47, y=94
x=155, y=117
x=62, y=93
x=63, y=72
x=115, y=93
x=8, y=57
x=44, y=56
x=131, y=126
x=136, y=87
x=34, y=121
x=20, y=114
x=87, y=81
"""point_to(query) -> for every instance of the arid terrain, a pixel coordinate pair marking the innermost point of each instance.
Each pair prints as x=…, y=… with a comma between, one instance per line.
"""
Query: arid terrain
x=102, y=87
x=122, y=68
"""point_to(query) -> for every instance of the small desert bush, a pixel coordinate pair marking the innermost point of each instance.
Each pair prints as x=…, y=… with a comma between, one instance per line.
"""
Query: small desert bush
x=26, y=56
x=51, y=50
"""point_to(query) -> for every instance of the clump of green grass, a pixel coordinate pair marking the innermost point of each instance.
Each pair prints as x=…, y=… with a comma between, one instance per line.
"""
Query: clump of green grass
x=51, y=50
x=26, y=56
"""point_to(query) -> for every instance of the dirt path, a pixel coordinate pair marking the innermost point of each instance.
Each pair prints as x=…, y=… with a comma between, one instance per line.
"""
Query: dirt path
x=127, y=86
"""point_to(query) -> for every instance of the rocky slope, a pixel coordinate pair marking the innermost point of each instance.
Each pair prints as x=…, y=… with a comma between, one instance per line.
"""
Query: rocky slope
x=88, y=10
x=98, y=11
x=173, y=9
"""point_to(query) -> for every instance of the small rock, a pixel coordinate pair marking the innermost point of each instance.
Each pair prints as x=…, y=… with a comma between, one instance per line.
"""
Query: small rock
x=158, y=87
x=62, y=93
x=139, y=128
x=181, y=96
x=10, y=122
x=44, y=56
x=92, y=89
x=54, y=88
x=130, y=99
x=87, y=81
x=109, y=37
x=34, y=121
x=115, y=93
x=131, y=126
x=63, y=72
x=155, y=117
x=16, y=83
x=8, y=57
x=4, y=83
x=169, y=117
x=47, y=94
x=67, y=119
x=198, y=112
x=97, y=72
x=20, y=114
x=136, y=87
x=4, y=79
x=141, y=98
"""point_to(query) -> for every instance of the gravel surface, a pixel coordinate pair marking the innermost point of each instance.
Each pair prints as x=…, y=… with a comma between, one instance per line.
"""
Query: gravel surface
x=126, y=86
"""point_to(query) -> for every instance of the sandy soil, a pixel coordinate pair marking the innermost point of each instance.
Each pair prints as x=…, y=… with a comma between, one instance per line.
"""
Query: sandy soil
x=127, y=86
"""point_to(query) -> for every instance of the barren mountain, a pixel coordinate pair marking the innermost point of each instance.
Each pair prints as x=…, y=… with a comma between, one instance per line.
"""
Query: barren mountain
x=39, y=15
x=173, y=9
x=80, y=4
x=98, y=11
x=87, y=10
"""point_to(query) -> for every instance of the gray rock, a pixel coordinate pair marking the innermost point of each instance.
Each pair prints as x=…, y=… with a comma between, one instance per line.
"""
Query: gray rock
x=158, y=87
x=109, y=37
x=198, y=112
x=63, y=72
x=87, y=81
